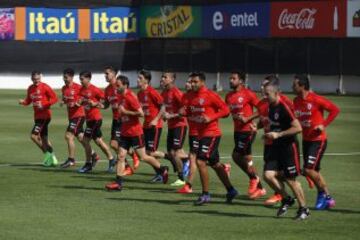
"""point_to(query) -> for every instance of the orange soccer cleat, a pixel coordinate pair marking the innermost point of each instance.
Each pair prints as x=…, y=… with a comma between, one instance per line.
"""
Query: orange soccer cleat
x=273, y=200
x=136, y=161
x=185, y=189
x=258, y=193
x=128, y=171
x=253, y=185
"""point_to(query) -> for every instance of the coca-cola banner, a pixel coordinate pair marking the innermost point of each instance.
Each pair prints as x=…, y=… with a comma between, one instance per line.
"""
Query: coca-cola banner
x=353, y=18
x=308, y=19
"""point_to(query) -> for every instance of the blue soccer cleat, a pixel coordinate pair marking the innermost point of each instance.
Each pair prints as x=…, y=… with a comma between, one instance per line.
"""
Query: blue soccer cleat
x=321, y=202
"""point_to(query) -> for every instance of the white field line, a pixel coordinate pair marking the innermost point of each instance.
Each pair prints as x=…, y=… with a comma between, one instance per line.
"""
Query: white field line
x=223, y=157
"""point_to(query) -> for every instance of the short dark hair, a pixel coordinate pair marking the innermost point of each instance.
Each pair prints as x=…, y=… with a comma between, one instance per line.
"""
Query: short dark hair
x=35, y=72
x=273, y=81
x=146, y=74
x=171, y=72
x=124, y=80
x=241, y=74
x=69, y=71
x=273, y=78
x=112, y=68
x=200, y=75
x=303, y=81
x=86, y=74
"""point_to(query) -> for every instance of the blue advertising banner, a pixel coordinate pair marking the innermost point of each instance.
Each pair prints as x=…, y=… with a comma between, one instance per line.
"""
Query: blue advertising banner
x=51, y=24
x=7, y=24
x=236, y=20
x=114, y=23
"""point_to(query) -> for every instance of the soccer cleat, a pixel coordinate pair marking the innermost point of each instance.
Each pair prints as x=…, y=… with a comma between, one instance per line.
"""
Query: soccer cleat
x=253, y=183
x=47, y=160
x=273, y=200
x=231, y=195
x=128, y=171
x=54, y=161
x=330, y=202
x=68, y=163
x=111, y=166
x=227, y=168
x=258, y=193
x=204, y=198
x=285, y=204
x=165, y=175
x=136, y=161
x=94, y=159
x=310, y=182
x=178, y=183
x=113, y=186
x=157, y=178
x=302, y=214
x=185, y=189
x=321, y=203
x=86, y=168
x=186, y=168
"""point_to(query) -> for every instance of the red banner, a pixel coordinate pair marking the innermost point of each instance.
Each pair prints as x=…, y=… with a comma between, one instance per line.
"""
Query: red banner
x=308, y=19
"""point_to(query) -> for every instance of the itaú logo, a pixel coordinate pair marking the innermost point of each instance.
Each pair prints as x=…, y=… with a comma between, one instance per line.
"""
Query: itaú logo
x=38, y=23
x=245, y=19
x=304, y=19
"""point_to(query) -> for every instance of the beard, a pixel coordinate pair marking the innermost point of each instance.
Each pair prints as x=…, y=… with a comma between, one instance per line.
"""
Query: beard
x=233, y=86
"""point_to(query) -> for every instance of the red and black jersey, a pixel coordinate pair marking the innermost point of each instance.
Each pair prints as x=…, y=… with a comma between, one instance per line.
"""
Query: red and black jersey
x=112, y=99
x=151, y=102
x=91, y=93
x=193, y=131
x=173, y=102
x=242, y=102
x=310, y=112
x=42, y=97
x=70, y=95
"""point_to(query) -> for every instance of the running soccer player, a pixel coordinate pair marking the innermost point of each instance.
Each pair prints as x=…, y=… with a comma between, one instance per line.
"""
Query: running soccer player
x=241, y=102
x=132, y=135
x=111, y=99
x=205, y=108
x=177, y=125
x=309, y=109
x=283, y=129
x=41, y=96
x=76, y=115
x=91, y=98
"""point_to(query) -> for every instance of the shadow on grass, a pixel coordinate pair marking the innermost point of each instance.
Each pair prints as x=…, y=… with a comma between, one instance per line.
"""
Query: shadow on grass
x=228, y=214
x=77, y=187
x=162, y=201
x=337, y=210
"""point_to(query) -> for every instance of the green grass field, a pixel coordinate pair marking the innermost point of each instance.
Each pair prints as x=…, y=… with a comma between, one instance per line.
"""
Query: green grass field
x=51, y=203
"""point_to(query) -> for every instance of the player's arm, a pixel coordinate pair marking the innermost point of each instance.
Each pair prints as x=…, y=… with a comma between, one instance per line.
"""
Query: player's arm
x=293, y=130
x=331, y=108
x=222, y=109
x=27, y=100
x=52, y=98
x=139, y=112
x=100, y=98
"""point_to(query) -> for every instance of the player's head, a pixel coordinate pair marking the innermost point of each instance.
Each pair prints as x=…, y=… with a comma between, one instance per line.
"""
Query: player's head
x=197, y=80
x=188, y=84
x=85, y=78
x=237, y=78
x=144, y=78
x=267, y=79
x=68, y=75
x=110, y=74
x=122, y=83
x=167, y=79
x=272, y=90
x=36, y=77
x=301, y=83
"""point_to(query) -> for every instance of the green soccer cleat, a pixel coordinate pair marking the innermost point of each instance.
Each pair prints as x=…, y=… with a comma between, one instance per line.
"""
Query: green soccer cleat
x=178, y=183
x=54, y=161
x=47, y=160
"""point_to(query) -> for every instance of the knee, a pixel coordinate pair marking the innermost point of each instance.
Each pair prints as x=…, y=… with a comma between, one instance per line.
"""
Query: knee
x=34, y=137
x=307, y=171
x=69, y=136
x=268, y=176
x=113, y=144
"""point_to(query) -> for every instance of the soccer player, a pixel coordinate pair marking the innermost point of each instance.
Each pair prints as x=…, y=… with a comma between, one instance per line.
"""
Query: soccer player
x=205, y=108
x=91, y=98
x=111, y=99
x=241, y=102
x=76, y=115
x=41, y=96
x=283, y=129
x=177, y=125
x=132, y=135
x=309, y=109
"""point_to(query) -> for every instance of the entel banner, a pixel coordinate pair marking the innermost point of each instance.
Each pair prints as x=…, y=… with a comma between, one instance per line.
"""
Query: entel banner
x=236, y=20
x=308, y=19
x=353, y=18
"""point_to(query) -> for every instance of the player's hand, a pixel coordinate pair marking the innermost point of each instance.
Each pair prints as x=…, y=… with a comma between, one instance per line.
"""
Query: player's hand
x=99, y=105
x=154, y=122
x=21, y=101
x=204, y=119
x=319, y=128
x=272, y=135
x=253, y=127
x=122, y=110
x=166, y=116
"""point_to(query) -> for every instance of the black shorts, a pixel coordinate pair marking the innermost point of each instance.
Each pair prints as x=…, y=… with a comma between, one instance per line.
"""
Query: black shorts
x=76, y=125
x=175, y=138
x=269, y=164
x=93, y=129
x=243, y=142
x=152, y=138
x=208, y=150
x=41, y=127
x=287, y=157
x=131, y=142
x=193, y=144
x=313, y=153
x=115, y=130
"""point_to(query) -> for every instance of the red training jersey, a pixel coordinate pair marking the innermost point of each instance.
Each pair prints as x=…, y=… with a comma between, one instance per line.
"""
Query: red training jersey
x=70, y=95
x=151, y=102
x=42, y=97
x=112, y=98
x=310, y=112
x=91, y=93
x=207, y=103
x=193, y=131
x=173, y=102
x=242, y=102
x=130, y=125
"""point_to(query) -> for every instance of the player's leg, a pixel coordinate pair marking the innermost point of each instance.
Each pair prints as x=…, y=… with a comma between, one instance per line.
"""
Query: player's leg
x=120, y=166
x=46, y=144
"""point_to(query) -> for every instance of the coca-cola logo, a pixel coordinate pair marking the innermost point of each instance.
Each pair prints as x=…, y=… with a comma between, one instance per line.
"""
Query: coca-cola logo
x=304, y=19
